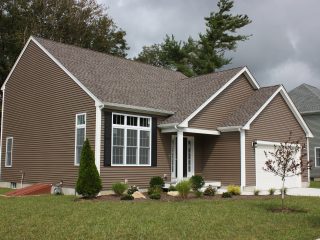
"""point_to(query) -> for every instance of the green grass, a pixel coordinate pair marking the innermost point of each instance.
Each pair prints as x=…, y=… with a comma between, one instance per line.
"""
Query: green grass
x=314, y=184
x=4, y=190
x=59, y=217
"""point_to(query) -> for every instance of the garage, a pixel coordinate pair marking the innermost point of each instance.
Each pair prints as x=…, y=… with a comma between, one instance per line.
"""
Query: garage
x=266, y=180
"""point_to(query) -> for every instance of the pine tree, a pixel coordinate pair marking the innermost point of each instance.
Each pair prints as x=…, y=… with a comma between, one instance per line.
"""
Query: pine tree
x=89, y=182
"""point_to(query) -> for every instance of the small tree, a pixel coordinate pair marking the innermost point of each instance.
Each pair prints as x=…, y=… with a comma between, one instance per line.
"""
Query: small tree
x=89, y=182
x=286, y=161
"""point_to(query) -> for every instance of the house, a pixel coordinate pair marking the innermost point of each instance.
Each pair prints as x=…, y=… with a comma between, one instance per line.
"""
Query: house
x=142, y=121
x=307, y=100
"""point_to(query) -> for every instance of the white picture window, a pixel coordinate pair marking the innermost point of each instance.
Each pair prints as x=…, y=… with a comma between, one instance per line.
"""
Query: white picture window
x=317, y=156
x=80, y=136
x=131, y=140
x=9, y=145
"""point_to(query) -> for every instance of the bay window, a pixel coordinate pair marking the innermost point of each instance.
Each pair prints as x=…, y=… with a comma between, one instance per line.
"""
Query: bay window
x=131, y=140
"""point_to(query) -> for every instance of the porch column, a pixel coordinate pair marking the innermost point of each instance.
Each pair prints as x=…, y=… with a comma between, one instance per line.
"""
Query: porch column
x=179, y=155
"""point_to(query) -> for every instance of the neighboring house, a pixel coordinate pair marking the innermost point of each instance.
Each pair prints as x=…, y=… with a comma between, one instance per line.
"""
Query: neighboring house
x=142, y=121
x=307, y=100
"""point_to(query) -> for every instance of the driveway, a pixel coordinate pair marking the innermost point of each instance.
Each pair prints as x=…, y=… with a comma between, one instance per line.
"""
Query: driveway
x=315, y=192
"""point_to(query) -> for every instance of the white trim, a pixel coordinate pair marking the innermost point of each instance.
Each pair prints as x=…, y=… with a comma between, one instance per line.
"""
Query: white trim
x=56, y=62
x=98, y=137
x=167, y=125
x=230, y=129
x=291, y=106
x=138, y=128
x=201, y=131
x=137, y=109
x=308, y=159
x=5, y=162
x=243, y=70
x=315, y=156
x=85, y=135
x=243, y=157
x=179, y=156
x=15, y=64
x=268, y=143
x=1, y=134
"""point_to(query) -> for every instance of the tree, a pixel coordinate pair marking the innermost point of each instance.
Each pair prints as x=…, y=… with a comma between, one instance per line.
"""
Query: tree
x=89, y=182
x=83, y=23
x=286, y=161
x=196, y=57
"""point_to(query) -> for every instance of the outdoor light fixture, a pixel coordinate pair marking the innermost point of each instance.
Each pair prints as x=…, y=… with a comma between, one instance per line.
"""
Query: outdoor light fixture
x=254, y=144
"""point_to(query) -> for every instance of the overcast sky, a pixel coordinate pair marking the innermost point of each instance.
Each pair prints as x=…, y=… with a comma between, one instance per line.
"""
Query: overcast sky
x=284, y=47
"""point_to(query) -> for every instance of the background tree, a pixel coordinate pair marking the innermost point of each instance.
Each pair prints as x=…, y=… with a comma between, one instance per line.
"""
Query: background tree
x=83, y=23
x=89, y=182
x=196, y=57
x=286, y=161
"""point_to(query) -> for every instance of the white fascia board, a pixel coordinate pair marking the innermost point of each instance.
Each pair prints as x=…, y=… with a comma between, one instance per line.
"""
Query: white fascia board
x=169, y=130
x=230, y=129
x=292, y=107
x=268, y=143
x=167, y=125
x=201, y=131
x=244, y=70
x=15, y=64
x=131, y=108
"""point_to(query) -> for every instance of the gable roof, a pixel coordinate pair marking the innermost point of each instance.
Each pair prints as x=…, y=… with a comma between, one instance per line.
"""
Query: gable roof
x=306, y=98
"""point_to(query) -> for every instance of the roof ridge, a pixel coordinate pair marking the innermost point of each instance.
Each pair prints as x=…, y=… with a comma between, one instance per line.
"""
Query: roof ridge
x=110, y=55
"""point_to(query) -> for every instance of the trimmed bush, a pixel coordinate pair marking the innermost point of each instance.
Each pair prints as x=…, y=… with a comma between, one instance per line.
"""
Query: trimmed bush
x=89, y=182
x=234, y=190
x=172, y=188
x=127, y=197
x=156, y=182
x=155, y=196
x=272, y=191
x=119, y=188
x=197, y=182
x=226, y=195
x=155, y=189
x=256, y=192
x=183, y=188
x=210, y=191
x=132, y=189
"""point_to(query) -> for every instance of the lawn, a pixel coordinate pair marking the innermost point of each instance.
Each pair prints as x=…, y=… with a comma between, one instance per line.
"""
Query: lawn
x=314, y=184
x=60, y=217
x=4, y=190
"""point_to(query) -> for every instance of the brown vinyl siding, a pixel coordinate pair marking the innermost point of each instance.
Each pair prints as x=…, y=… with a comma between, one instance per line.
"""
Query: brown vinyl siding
x=40, y=106
x=223, y=105
x=221, y=158
x=273, y=124
x=139, y=176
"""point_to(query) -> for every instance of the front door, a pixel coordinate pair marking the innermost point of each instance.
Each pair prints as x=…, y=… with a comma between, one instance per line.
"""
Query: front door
x=188, y=157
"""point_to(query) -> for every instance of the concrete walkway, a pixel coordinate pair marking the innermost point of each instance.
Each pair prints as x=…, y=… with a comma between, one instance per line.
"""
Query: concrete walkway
x=314, y=192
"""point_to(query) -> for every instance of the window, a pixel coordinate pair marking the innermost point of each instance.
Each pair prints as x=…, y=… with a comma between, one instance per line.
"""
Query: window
x=131, y=140
x=317, y=156
x=80, y=136
x=9, y=144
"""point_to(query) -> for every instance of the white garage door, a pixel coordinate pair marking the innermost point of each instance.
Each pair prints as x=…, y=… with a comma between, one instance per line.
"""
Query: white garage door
x=266, y=180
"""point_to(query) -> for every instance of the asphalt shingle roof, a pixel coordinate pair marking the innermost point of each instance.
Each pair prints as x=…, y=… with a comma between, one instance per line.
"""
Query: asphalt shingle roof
x=306, y=98
x=247, y=110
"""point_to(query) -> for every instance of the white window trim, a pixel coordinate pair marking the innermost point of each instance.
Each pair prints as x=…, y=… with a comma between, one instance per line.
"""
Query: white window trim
x=6, y=165
x=138, y=128
x=315, y=156
x=85, y=135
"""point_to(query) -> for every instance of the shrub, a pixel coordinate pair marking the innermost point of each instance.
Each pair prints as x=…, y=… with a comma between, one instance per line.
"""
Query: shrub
x=284, y=190
x=272, y=191
x=155, y=196
x=89, y=182
x=210, y=191
x=132, y=189
x=127, y=197
x=172, y=188
x=119, y=188
x=226, y=195
x=198, y=194
x=256, y=192
x=197, y=182
x=234, y=190
x=183, y=188
x=155, y=189
x=156, y=182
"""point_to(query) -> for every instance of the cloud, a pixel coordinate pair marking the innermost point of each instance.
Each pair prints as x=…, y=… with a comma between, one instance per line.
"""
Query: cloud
x=283, y=48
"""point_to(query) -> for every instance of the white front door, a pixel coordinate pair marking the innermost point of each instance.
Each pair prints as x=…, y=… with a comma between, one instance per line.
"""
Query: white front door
x=188, y=157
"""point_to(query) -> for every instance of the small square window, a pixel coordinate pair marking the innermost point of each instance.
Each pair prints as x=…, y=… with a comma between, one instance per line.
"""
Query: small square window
x=132, y=121
x=81, y=119
x=144, y=122
x=118, y=119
